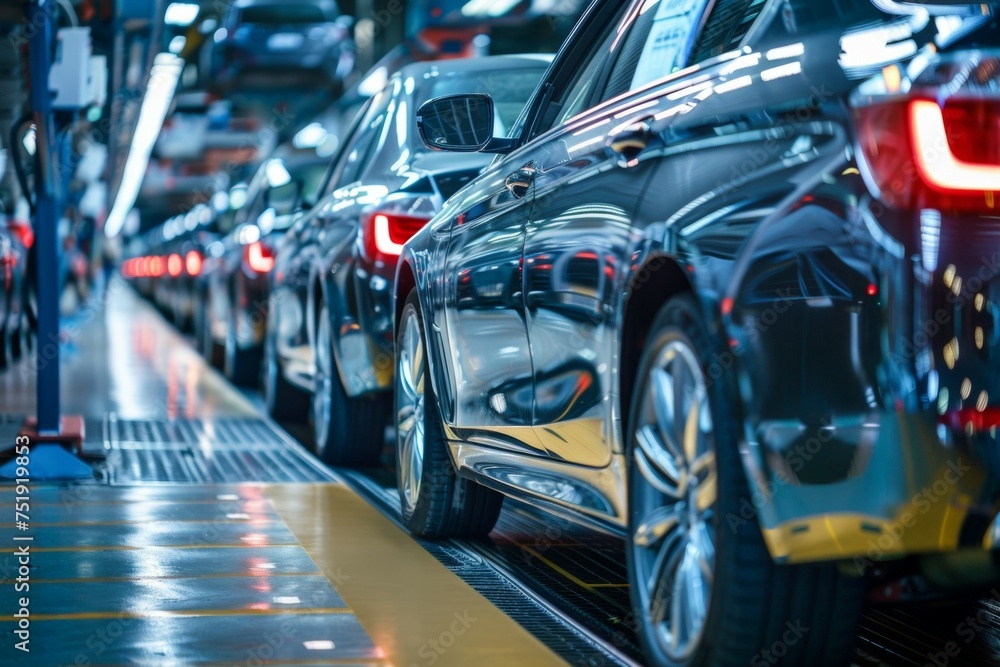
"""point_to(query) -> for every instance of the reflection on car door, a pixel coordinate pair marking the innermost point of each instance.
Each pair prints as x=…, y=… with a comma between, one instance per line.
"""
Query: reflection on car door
x=491, y=364
x=590, y=174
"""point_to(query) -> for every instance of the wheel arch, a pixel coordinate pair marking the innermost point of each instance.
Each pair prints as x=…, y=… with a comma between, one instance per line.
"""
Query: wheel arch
x=657, y=280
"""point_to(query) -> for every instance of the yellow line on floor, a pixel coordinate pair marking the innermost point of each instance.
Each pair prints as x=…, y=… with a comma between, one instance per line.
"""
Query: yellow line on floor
x=122, y=547
x=220, y=575
x=407, y=601
x=154, y=613
x=576, y=580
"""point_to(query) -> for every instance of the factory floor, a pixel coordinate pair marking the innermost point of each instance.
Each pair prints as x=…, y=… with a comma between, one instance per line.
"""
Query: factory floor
x=207, y=535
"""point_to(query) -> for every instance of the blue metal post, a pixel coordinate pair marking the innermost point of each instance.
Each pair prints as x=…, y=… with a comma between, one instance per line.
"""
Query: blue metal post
x=41, y=19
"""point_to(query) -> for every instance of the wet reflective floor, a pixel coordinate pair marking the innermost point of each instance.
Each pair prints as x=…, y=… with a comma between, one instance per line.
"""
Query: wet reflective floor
x=208, y=536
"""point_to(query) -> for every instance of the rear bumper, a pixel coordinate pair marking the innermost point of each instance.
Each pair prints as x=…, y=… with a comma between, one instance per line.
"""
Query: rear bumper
x=872, y=411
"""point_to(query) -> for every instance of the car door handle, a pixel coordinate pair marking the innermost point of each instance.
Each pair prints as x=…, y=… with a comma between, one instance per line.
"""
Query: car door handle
x=625, y=144
x=520, y=181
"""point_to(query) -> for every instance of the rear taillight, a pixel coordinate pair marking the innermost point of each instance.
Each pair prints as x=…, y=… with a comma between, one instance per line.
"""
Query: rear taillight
x=920, y=154
x=259, y=257
x=23, y=232
x=155, y=267
x=192, y=263
x=175, y=265
x=937, y=147
x=385, y=234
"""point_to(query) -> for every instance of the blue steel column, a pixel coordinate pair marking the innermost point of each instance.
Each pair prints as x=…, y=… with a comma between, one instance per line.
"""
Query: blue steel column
x=40, y=20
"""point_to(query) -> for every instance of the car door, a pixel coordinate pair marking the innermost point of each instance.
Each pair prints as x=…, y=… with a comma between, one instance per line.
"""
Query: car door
x=486, y=342
x=589, y=174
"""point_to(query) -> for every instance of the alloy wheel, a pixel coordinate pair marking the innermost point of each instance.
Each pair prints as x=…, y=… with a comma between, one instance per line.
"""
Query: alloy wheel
x=674, y=499
x=410, y=371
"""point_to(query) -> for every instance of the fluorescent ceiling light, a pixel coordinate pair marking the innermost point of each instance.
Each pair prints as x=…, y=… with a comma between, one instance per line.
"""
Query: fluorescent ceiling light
x=310, y=136
x=159, y=93
x=181, y=14
x=177, y=44
x=488, y=7
x=277, y=174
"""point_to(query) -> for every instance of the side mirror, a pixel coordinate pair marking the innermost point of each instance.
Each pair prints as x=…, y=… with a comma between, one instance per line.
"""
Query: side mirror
x=460, y=123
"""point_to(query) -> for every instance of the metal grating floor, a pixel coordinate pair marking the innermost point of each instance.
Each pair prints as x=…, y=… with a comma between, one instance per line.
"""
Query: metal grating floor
x=205, y=451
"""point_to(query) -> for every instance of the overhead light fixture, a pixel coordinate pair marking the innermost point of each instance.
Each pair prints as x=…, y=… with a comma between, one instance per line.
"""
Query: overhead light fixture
x=159, y=93
x=276, y=173
x=181, y=14
x=488, y=7
x=310, y=136
x=177, y=44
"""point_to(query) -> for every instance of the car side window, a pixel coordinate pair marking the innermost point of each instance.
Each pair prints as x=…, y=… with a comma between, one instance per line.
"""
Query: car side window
x=580, y=77
x=360, y=152
x=665, y=38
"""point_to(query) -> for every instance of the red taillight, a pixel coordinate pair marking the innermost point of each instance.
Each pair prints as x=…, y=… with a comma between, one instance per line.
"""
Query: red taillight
x=921, y=153
x=175, y=265
x=260, y=258
x=385, y=234
x=155, y=267
x=23, y=232
x=192, y=263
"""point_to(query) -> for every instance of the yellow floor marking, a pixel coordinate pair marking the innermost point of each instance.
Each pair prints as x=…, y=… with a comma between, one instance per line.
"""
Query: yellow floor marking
x=562, y=571
x=221, y=575
x=404, y=598
x=156, y=613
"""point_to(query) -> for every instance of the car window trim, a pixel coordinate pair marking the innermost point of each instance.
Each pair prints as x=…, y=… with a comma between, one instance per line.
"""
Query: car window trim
x=568, y=60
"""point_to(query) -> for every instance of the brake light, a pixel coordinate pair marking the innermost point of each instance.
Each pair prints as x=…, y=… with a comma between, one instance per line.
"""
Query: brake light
x=938, y=147
x=23, y=232
x=259, y=257
x=174, y=265
x=193, y=262
x=385, y=234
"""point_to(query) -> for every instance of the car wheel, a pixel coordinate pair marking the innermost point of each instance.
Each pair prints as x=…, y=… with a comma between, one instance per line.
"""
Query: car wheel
x=212, y=351
x=347, y=431
x=704, y=588
x=285, y=402
x=436, y=502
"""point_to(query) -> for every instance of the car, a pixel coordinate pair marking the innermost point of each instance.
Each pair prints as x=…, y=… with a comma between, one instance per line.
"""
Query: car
x=293, y=36
x=235, y=274
x=728, y=293
x=16, y=239
x=330, y=336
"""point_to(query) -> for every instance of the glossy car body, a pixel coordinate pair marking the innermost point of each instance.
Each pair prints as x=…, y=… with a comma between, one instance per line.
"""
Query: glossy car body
x=289, y=36
x=328, y=259
x=15, y=239
x=856, y=328
x=236, y=272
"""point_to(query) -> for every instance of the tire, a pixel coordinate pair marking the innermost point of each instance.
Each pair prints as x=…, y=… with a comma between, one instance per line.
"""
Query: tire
x=436, y=502
x=347, y=431
x=752, y=607
x=284, y=401
x=212, y=351
x=241, y=365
